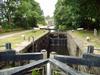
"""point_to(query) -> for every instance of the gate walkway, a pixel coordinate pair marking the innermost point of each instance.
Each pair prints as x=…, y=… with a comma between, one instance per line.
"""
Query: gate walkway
x=48, y=65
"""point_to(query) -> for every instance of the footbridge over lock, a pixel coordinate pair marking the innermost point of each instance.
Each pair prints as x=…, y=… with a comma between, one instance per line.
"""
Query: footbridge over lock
x=56, y=64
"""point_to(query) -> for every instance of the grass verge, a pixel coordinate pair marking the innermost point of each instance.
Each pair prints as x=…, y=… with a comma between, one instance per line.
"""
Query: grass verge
x=17, y=39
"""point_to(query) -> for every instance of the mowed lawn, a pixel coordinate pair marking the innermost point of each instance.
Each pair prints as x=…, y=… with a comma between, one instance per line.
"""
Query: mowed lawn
x=18, y=38
x=93, y=40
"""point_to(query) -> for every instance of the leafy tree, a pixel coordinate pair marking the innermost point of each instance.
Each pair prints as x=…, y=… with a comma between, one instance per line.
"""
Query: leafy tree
x=77, y=13
x=22, y=13
x=65, y=14
x=29, y=14
x=9, y=10
x=39, y=15
x=90, y=17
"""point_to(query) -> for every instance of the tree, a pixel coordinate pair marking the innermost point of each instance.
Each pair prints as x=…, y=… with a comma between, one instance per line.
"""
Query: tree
x=39, y=15
x=77, y=13
x=91, y=15
x=9, y=10
x=22, y=13
x=65, y=14
x=29, y=14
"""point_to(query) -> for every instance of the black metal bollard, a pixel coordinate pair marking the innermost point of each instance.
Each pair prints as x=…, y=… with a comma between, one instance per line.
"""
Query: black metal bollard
x=8, y=46
x=90, y=49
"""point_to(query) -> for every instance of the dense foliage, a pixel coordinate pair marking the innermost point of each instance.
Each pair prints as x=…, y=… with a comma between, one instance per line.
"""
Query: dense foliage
x=71, y=14
x=21, y=13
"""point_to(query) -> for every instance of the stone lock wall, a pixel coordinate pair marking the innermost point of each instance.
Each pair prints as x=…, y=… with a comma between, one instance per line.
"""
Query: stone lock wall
x=76, y=48
x=73, y=48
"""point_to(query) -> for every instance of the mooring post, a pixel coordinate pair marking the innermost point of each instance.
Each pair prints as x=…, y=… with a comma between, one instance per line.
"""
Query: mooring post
x=52, y=54
x=50, y=67
x=29, y=38
x=9, y=51
x=44, y=52
x=33, y=43
x=8, y=46
x=23, y=36
x=90, y=49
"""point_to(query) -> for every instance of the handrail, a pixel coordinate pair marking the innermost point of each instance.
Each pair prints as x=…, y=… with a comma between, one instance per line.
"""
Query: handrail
x=87, y=60
x=11, y=56
x=60, y=61
x=65, y=68
x=21, y=69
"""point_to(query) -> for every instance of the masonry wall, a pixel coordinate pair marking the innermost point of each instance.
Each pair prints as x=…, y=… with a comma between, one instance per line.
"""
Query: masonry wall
x=73, y=48
x=76, y=48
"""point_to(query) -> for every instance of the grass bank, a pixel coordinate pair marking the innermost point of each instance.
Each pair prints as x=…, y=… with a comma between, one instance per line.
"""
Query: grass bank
x=94, y=40
x=18, y=38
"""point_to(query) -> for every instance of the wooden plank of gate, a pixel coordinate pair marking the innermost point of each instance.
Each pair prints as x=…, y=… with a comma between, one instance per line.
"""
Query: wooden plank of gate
x=19, y=70
x=88, y=60
x=65, y=68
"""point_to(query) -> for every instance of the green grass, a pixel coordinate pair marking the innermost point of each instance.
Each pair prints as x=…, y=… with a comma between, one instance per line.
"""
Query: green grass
x=83, y=34
x=3, y=31
x=17, y=39
x=34, y=72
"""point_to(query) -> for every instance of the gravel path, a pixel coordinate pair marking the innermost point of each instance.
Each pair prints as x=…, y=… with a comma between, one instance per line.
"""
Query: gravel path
x=2, y=36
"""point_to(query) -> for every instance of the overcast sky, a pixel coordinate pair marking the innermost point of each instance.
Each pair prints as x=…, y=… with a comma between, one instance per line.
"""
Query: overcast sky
x=48, y=6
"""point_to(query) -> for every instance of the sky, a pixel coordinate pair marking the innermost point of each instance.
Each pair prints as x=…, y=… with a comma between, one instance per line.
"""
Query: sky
x=48, y=6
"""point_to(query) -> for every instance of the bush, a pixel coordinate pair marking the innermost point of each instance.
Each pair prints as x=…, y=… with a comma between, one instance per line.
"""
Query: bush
x=34, y=72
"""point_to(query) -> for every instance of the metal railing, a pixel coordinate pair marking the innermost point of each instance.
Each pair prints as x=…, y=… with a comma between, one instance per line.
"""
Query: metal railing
x=23, y=69
x=89, y=59
x=60, y=61
x=90, y=49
